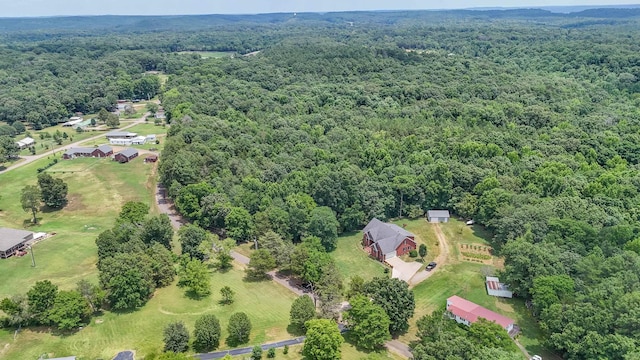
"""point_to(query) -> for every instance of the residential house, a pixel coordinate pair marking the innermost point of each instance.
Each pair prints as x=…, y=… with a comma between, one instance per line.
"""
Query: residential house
x=496, y=288
x=99, y=152
x=465, y=312
x=12, y=240
x=438, y=216
x=385, y=241
x=26, y=143
x=126, y=155
x=139, y=140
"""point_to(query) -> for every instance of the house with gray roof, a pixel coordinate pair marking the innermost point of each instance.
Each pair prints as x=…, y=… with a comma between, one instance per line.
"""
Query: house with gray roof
x=126, y=155
x=100, y=151
x=384, y=241
x=438, y=216
x=12, y=240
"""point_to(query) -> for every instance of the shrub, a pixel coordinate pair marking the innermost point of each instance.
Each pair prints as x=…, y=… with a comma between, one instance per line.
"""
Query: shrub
x=285, y=350
x=413, y=253
x=271, y=353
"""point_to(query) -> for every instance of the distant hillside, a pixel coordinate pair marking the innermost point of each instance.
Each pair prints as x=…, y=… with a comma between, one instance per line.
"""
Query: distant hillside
x=111, y=23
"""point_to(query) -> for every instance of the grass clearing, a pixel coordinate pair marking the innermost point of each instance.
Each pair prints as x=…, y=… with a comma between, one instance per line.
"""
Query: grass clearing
x=424, y=235
x=97, y=190
x=266, y=303
x=44, y=145
x=352, y=260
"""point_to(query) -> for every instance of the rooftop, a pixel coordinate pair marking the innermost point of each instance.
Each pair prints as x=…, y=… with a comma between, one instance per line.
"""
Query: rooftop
x=79, y=150
x=472, y=312
x=438, y=213
x=387, y=236
x=11, y=237
x=128, y=152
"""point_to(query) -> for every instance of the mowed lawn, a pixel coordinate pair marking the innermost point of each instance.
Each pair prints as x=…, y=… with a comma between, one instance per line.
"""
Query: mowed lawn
x=352, y=260
x=267, y=305
x=97, y=190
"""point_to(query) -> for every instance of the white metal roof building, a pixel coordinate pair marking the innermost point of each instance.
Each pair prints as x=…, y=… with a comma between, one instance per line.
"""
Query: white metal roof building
x=496, y=288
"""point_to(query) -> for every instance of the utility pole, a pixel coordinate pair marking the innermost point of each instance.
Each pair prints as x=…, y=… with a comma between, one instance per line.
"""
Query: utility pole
x=33, y=259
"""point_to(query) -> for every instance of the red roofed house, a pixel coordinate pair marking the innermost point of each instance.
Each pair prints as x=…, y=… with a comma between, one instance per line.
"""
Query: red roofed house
x=466, y=312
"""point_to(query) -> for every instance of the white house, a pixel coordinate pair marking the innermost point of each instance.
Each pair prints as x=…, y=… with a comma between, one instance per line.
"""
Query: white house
x=121, y=142
x=496, y=288
x=139, y=140
x=438, y=216
x=25, y=143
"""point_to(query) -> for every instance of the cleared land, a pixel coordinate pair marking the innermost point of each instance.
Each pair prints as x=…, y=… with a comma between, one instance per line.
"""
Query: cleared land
x=97, y=190
x=352, y=260
x=143, y=130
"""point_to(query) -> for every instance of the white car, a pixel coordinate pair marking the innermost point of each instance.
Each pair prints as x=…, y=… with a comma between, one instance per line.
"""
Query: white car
x=470, y=222
x=536, y=357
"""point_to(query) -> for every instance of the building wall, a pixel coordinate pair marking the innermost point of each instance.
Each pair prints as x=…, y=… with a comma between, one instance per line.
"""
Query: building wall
x=405, y=247
x=438, y=220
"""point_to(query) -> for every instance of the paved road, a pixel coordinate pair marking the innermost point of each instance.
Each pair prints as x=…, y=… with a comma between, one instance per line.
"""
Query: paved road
x=31, y=158
x=247, y=350
x=441, y=260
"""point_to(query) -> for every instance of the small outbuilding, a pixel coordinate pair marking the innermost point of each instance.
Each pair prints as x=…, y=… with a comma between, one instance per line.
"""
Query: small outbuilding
x=126, y=155
x=465, y=312
x=496, y=288
x=438, y=216
x=120, y=135
x=151, y=158
x=25, y=143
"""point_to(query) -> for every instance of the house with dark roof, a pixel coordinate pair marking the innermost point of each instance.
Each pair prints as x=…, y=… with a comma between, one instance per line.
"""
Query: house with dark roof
x=465, y=312
x=438, y=216
x=385, y=241
x=99, y=152
x=12, y=240
x=126, y=155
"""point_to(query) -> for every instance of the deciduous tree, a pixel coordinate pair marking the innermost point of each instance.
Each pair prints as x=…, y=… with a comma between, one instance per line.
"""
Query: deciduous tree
x=31, y=200
x=206, y=335
x=239, y=329
x=323, y=340
x=368, y=323
x=69, y=310
x=42, y=297
x=394, y=296
x=176, y=337
x=302, y=310
x=195, y=276
x=260, y=263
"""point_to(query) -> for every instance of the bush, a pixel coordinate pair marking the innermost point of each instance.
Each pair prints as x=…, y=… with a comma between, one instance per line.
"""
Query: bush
x=285, y=350
x=176, y=337
x=256, y=353
x=413, y=253
x=271, y=353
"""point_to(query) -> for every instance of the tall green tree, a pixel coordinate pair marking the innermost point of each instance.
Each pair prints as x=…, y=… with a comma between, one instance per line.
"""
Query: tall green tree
x=368, y=323
x=239, y=329
x=42, y=297
x=157, y=229
x=54, y=191
x=303, y=309
x=397, y=300
x=195, y=276
x=239, y=224
x=260, y=263
x=206, y=335
x=30, y=199
x=323, y=340
x=324, y=225
x=69, y=310
x=176, y=337
x=128, y=279
x=191, y=236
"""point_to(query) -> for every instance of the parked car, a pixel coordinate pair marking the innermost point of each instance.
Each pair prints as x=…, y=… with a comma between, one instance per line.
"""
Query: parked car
x=536, y=357
x=470, y=222
x=431, y=266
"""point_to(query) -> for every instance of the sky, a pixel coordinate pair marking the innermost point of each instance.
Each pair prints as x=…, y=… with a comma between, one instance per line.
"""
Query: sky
x=20, y=8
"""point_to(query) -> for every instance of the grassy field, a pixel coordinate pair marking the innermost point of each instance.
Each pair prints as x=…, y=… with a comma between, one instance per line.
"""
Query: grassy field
x=351, y=259
x=49, y=144
x=424, y=235
x=266, y=303
x=97, y=190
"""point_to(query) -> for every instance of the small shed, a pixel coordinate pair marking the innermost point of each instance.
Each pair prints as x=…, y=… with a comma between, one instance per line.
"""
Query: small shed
x=438, y=216
x=496, y=288
x=25, y=143
x=151, y=158
x=126, y=155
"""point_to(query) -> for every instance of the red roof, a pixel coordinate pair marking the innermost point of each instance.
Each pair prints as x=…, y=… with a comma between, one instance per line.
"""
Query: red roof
x=471, y=312
x=494, y=285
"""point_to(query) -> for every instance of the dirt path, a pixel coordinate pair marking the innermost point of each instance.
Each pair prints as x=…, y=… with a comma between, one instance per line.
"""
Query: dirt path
x=31, y=158
x=441, y=260
x=524, y=351
x=399, y=348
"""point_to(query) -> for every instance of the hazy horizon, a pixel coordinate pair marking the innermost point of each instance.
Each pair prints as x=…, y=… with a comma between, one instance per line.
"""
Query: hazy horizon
x=51, y=8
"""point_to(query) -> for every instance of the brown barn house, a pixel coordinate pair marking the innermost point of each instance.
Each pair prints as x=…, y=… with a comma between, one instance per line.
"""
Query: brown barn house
x=384, y=241
x=126, y=155
x=99, y=152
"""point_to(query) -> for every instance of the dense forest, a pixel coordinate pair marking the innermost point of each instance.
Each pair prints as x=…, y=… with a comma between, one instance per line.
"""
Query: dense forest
x=525, y=121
